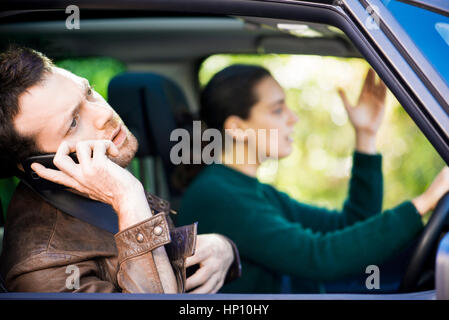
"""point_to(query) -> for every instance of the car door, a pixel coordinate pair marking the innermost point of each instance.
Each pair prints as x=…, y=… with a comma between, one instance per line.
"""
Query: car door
x=415, y=81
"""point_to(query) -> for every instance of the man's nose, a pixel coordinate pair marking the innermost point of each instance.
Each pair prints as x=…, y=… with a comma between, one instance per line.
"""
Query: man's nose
x=103, y=114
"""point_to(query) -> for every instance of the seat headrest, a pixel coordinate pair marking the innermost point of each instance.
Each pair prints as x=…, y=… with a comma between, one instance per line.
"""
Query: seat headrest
x=150, y=106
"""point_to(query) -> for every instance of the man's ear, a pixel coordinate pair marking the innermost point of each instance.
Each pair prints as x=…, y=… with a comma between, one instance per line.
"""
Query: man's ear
x=235, y=127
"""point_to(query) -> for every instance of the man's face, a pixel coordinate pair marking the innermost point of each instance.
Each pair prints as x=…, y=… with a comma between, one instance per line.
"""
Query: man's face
x=65, y=108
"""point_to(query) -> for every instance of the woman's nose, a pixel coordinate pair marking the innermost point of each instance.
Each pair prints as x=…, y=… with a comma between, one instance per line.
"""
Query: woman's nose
x=292, y=117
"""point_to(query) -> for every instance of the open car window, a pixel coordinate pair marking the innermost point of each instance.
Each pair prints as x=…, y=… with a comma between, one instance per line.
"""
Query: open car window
x=319, y=168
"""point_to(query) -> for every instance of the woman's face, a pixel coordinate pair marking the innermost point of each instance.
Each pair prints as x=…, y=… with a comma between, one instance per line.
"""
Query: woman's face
x=271, y=112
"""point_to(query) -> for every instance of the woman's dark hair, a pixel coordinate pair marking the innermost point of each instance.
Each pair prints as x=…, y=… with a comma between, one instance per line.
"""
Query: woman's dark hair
x=230, y=92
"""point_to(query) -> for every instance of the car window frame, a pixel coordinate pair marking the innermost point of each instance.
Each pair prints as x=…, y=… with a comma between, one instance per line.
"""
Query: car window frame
x=410, y=51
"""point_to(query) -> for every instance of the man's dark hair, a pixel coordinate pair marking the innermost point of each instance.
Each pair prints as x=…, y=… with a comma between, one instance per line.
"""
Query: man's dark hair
x=20, y=69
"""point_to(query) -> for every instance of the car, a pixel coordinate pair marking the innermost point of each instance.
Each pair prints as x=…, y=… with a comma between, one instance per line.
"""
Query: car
x=165, y=43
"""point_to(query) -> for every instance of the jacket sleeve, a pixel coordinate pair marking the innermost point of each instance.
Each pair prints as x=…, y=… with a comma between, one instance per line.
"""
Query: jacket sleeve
x=235, y=269
x=137, y=271
x=365, y=196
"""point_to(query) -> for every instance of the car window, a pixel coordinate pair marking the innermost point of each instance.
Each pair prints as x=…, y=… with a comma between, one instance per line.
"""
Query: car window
x=318, y=169
x=428, y=30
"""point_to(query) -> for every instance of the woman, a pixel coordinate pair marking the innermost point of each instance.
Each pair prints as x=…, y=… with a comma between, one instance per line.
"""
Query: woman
x=277, y=235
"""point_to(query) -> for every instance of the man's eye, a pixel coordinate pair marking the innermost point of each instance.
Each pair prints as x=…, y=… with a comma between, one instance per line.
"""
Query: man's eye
x=74, y=123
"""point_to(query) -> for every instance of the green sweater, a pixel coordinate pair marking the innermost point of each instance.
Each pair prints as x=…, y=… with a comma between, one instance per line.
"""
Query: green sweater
x=277, y=235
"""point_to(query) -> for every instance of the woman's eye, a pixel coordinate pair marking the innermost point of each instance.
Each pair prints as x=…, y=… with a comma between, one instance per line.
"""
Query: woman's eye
x=278, y=111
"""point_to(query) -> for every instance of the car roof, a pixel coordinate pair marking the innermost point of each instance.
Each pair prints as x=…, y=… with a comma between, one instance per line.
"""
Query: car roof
x=165, y=37
x=151, y=34
x=100, y=4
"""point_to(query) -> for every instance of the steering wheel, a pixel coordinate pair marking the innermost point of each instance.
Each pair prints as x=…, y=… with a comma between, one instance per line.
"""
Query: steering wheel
x=426, y=243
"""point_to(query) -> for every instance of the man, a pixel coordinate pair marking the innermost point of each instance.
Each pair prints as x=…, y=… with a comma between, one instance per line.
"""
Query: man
x=45, y=109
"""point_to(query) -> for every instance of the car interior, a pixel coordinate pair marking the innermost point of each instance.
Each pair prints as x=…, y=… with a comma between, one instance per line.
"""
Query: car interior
x=162, y=61
x=163, y=53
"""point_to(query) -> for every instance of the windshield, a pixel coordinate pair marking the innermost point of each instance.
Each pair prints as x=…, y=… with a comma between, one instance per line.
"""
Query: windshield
x=428, y=30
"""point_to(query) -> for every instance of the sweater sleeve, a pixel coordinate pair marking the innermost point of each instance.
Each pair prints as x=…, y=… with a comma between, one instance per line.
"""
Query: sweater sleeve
x=266, y=238
x=364, y=199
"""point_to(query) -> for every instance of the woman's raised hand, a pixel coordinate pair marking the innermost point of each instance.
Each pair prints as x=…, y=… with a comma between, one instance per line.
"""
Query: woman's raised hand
x=366, y=116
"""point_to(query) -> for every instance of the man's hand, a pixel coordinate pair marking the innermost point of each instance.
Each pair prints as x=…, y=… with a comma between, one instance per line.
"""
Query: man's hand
x=429, y=199
x=98, y=178
x=367, y=115
x=214, y=255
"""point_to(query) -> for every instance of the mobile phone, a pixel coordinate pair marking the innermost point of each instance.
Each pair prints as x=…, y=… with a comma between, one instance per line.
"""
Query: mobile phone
x=44, y=159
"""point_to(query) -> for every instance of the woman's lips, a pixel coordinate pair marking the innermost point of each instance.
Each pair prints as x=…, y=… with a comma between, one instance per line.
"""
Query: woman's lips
x=119, y=137
x=289, y=137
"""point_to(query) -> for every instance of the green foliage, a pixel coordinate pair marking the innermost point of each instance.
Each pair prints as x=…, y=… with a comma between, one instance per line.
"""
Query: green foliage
x=99, y=71
x=318, y=169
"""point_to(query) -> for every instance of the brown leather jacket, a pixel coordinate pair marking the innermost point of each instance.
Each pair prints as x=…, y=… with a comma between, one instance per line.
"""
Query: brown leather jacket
x=44, y=249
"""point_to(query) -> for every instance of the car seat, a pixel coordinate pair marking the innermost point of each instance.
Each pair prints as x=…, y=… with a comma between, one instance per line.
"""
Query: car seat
x=151, y=106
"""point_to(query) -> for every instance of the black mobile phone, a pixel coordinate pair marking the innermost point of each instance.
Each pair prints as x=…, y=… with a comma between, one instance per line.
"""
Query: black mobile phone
x=44, y=159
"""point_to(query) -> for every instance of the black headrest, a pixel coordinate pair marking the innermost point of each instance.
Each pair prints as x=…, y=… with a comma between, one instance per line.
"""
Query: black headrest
x=150, y=105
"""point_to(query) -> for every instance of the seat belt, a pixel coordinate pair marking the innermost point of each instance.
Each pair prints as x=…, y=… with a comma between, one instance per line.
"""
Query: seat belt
x=94, y=212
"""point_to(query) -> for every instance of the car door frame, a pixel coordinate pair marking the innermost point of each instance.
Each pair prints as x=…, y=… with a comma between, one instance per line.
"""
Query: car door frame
x=377, y=49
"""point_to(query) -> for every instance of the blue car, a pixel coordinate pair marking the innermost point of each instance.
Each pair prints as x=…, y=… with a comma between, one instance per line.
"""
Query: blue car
x=406, y=42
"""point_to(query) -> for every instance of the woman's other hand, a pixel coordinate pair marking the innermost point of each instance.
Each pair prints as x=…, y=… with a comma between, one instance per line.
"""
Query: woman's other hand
x=428, y=200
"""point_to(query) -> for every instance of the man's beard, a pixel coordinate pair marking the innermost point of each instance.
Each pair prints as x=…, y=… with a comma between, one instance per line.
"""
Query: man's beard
x=127, y=151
